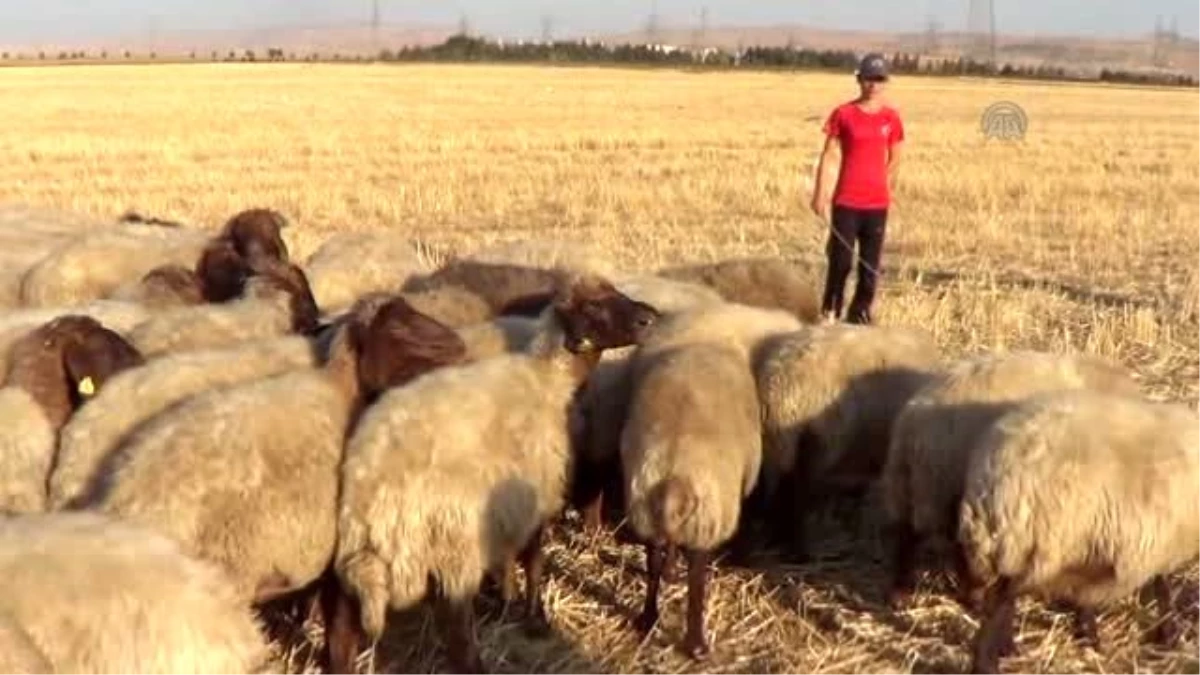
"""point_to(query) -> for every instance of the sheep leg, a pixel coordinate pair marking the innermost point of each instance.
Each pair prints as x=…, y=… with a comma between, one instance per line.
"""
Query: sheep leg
x=904, y=547
x=456, y=619
x=994, y=638
x=694, y=643
x=533, y=558
x=1086, y=631
x=344, y=635
x=1166, y=633
x=670, y=573
x=655, y=558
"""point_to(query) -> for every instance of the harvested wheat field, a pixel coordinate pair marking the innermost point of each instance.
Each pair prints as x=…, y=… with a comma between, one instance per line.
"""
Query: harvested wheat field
x=1081, y=237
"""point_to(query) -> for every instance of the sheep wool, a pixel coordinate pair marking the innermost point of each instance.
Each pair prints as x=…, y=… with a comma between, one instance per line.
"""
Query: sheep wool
x=86, y=594
x=349, y=265
x=923, y=476
x=139, y=394
x=453, y=306
x=1079, y=481
x=574, y=256
x=18, y=654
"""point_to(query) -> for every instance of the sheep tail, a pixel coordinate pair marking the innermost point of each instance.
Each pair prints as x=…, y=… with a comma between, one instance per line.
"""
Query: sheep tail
x=677, y=505
x=365, y=574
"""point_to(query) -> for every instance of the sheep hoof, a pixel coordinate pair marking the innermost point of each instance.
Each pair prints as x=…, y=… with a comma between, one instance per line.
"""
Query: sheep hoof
x=1166, y=634
x=696, y=649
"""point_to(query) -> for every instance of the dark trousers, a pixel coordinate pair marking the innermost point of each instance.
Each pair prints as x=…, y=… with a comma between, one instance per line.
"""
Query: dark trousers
x=866, y=228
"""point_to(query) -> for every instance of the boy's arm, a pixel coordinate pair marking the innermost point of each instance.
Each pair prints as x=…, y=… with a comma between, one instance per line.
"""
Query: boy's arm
x=820, y=200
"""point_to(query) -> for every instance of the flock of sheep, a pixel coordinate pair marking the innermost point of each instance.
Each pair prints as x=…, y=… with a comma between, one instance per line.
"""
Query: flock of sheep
x=196, y=424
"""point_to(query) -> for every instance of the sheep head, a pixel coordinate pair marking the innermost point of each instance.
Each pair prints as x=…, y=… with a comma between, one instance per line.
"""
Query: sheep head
x=221, y=271
x=595, y=316
x=398, y=344
x=64, y=362
x=272, y=276
x=255, y=234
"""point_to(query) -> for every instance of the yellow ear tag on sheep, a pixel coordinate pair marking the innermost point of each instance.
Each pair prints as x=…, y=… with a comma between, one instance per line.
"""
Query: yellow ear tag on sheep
x=585, y=344
x=87, y=387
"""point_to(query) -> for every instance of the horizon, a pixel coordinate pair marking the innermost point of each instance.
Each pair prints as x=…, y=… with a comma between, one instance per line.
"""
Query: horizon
x=60, y=21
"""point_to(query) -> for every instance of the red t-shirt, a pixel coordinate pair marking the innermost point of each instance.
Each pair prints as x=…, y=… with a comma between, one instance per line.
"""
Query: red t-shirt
x=865, y=139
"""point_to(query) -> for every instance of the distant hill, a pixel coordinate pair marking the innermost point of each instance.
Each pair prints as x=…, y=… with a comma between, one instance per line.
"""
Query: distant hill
x=1084, y=53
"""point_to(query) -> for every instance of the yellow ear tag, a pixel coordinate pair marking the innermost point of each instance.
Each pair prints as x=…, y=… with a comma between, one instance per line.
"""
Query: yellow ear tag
x=87, y=387
x=586, y=344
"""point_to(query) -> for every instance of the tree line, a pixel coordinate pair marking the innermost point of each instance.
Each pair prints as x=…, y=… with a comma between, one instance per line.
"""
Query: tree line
x=464, y=49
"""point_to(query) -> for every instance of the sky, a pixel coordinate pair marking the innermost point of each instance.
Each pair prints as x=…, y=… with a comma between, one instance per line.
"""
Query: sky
x=38, y=20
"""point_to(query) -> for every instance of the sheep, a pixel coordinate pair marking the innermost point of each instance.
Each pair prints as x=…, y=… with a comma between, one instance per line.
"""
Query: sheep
x=455, y=475
x=498, y=284
x=256, y=233
x=277, y=300
x=349, y=265
x=88, y=594
x=605, y=400
x=247, y=476
x=829, y=395
x=134, y=396
x=28, y=234
x=93, y=266
x=501, y=335
x=54, y=370
x=119, y=316
x=1078, y=496
x=163, y=287
x=668, y=295
x=690, y=450
x=922, y=480
x=759, y=282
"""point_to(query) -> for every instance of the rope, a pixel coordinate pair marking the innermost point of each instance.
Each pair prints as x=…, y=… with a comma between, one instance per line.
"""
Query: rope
x=857, y=260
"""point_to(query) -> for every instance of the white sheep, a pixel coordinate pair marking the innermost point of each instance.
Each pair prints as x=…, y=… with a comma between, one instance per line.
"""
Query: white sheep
x=691, y=450
x=55, y=369
x=349, y=265
x=28, y=234
x=922, y=479
x=96, y=264
x=455, y=475
x=136, y=395
x=829, y=395
x=277, y=300
x=88, y=594
x=1078, y=496
x=247, y=476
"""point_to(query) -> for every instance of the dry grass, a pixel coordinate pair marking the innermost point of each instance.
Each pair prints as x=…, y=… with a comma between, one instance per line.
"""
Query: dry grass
x=1084, y=236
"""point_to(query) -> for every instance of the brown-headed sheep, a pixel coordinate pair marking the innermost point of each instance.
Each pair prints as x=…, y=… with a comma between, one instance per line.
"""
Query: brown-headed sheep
x=349, y=265
x=277, y=300
x=759, y=282
x=1078, y=496
x=116, y=315
x=136, y=395
x=257, y=233
x=922, y=479
x=54, y=370
x=94, y=595
x=455, y=475
x=247, y=476
x=829, y=395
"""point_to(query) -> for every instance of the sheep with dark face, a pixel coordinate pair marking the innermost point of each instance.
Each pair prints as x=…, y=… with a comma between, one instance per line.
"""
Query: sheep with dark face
x=247, y=476
x=498, y=284
x=456, y=474
x=277, y=300
x=54, y=370
x=257, y=233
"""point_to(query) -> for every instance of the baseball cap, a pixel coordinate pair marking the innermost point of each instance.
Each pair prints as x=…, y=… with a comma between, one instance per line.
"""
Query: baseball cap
x=872, y=66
